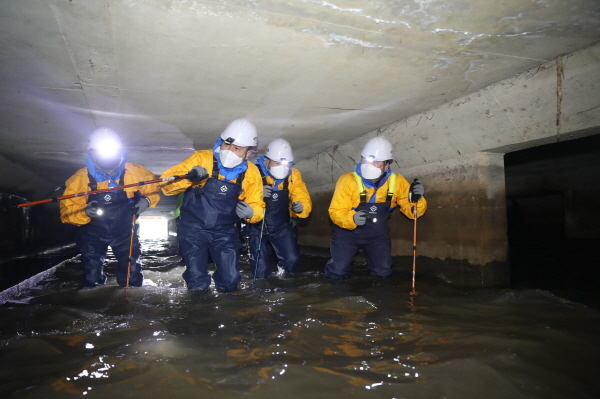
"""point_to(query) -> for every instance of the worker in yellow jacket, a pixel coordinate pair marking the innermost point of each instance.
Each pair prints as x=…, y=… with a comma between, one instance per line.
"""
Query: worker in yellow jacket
x=286, y=198
x=105, y=219
x=361, y=207
x=221, y=188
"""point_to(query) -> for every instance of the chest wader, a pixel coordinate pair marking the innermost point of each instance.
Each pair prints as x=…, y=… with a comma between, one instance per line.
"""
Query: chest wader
x=207, y=230
x=112, y=228
x=278, y=236
x=373, y=236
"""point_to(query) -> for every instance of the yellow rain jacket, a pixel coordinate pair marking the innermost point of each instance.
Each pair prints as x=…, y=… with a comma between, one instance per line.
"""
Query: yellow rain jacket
x=252, y=191
x=298, y=192
x=347, y=196
x=72, y=210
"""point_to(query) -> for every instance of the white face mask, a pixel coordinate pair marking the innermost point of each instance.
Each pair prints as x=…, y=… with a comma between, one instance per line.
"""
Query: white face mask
x=229, y=159
x=279, y=172
x=369, y=171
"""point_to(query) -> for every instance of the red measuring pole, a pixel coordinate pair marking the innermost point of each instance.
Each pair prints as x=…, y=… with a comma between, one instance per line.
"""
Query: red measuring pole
x=82, y=194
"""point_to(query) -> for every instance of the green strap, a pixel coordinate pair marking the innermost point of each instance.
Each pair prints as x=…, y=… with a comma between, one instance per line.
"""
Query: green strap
x=361, y=187
x=363, y=191
x=391, y=186
x=178, y=207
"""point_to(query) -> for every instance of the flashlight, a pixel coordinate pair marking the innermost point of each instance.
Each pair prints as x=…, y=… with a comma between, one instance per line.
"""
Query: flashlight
x=99, y=212
x=372, y=219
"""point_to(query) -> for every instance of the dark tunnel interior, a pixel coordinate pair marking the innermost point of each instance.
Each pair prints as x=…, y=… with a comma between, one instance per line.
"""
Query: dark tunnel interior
x=553, y=217
x=553, y=221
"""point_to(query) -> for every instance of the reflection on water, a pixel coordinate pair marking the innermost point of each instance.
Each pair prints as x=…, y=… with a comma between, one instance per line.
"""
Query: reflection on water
x=292, y=337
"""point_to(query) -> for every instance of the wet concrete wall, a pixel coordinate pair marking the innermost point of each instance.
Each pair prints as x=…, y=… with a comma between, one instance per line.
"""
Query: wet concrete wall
x=462, y=237
x=457, y=151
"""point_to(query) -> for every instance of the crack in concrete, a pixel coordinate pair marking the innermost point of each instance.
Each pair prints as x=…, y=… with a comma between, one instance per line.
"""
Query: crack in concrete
x=347, y=109
x=62, y=35
x=332, y=161
x=560, y=75
x=587, y=110
x=506, y=114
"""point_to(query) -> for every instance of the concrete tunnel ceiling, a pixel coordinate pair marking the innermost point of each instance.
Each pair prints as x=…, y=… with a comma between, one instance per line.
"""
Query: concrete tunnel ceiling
x=169, y=75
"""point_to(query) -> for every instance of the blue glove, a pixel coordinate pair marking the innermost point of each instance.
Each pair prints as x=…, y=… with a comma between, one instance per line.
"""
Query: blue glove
x=141, y=205
x=92, y=208
x=267, y=191
x=297, y=207
x=416, y=191
x=196, y=174
x=360, y=218
x=243, y=210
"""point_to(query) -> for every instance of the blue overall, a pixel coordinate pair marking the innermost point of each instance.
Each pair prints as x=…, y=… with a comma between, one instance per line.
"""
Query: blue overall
x=112, y=229
x=207, y=227
x=373, y=237
x=277, y=232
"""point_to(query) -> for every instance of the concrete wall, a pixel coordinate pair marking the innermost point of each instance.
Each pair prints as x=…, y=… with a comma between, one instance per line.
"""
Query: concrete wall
x=456, y=150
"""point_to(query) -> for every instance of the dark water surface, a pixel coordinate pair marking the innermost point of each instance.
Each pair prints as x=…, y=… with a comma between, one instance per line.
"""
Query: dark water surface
x=292, y=337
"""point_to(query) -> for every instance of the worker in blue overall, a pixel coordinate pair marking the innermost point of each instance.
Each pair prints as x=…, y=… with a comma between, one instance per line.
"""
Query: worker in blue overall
x=361, y=207
x=105, y=219
x=286, y=198
x=221, y=188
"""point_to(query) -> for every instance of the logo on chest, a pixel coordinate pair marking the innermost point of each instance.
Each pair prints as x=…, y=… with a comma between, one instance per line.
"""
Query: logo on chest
x=274, y=196
x=108, y=198
x=223, y=190
x=373, y=208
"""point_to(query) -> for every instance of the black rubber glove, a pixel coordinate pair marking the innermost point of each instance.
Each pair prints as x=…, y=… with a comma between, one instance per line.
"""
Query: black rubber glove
x=416, y=191
x=196, y=174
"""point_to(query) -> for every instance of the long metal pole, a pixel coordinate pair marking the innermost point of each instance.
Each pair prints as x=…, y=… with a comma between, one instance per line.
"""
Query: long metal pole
x=102, y=190
x=414, y=270
x=133, y=218
x=262, y=228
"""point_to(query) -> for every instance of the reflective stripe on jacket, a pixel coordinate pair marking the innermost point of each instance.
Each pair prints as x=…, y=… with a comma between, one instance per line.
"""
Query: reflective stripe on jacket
x=347, y=196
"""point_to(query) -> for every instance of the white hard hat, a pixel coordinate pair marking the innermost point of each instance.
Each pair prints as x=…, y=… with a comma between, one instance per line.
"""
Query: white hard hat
x=240, y=132
x=105, y=140
x=279, y=150
x=377, y=149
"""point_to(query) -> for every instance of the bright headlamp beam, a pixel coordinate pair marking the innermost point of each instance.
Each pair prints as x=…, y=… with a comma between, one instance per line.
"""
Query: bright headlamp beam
x=108, y=149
